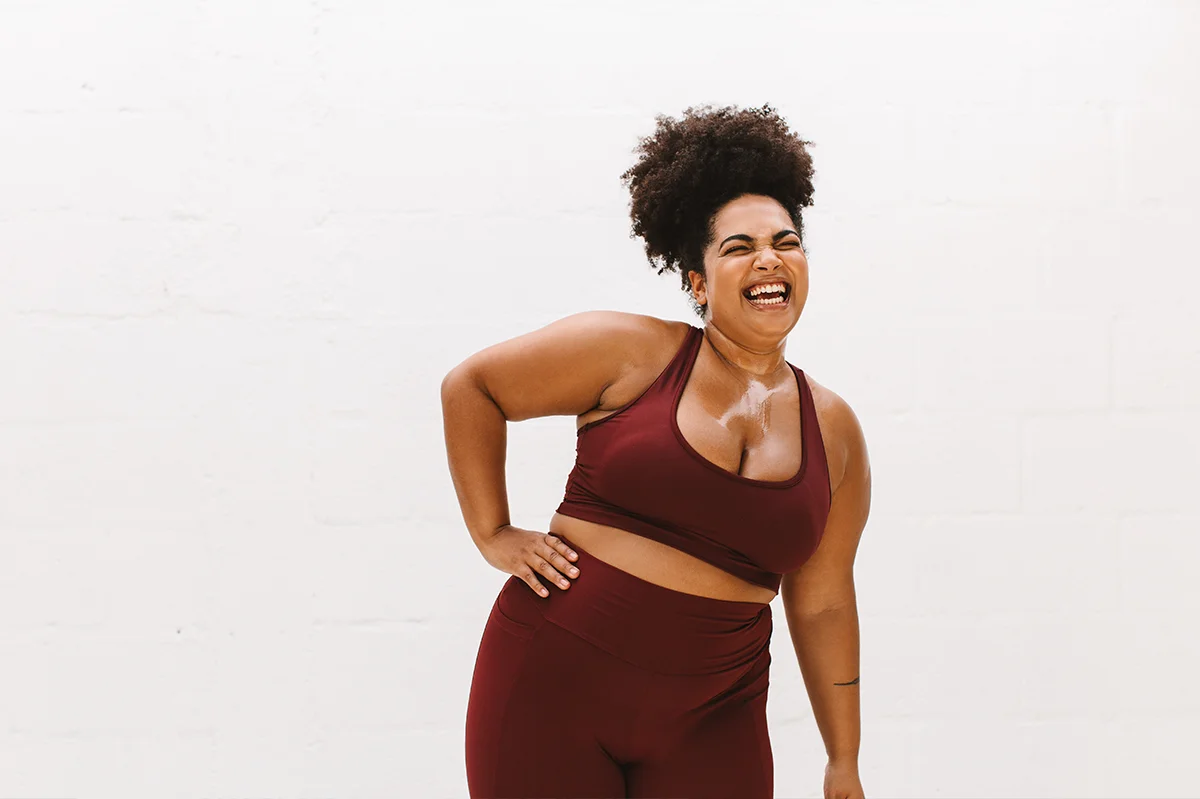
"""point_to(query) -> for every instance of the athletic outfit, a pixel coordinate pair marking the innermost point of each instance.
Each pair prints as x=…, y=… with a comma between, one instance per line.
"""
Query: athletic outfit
x=618, y=687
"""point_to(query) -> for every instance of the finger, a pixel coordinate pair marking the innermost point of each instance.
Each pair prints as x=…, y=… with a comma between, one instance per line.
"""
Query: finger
x=528, y=576
x=561, y=547
x=558, y=561
x=551, y=573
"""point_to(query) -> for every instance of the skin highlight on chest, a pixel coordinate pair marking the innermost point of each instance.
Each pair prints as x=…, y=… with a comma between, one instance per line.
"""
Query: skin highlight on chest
x=740, y=426
x=751, y=413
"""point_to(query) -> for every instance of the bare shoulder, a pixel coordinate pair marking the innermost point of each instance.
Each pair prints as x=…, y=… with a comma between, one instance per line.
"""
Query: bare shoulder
x=566, y=367
x=641, y=340
x=841, y=430
x=647, y=344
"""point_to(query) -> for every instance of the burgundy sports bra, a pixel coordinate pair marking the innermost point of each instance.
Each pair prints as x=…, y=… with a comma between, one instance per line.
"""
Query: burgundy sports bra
x=634, y=470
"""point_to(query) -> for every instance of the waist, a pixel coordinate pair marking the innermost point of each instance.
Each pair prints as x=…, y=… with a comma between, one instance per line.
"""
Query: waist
x=649, y=626
x=656, y=562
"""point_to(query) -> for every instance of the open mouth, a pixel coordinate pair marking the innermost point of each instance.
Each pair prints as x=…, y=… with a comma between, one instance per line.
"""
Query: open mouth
x=774, y=297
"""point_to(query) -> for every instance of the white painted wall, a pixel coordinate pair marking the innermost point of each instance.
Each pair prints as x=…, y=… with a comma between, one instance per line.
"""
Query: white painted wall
x=241, y=243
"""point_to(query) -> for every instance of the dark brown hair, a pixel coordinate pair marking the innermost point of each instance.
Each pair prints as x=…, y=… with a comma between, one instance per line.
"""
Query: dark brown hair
x=689, y=168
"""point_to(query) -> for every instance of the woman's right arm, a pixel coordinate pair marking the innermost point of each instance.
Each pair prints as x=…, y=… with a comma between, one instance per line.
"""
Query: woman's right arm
x=560, y=369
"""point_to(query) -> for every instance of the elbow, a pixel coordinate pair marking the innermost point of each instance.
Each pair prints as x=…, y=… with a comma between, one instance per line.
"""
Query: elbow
x=812, y=598
x=456, y=379
x=450, y=381
x=463, y=381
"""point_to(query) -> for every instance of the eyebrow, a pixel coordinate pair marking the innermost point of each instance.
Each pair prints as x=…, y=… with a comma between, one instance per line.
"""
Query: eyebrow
x=744, y=237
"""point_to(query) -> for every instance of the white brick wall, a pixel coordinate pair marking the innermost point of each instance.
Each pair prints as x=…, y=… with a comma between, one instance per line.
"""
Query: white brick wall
x=231, y=560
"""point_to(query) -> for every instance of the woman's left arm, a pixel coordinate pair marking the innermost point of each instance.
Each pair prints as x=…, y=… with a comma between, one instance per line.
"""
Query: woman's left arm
x=821, y=611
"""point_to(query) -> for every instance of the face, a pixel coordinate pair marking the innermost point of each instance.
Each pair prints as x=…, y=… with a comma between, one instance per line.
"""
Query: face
x=755, y=244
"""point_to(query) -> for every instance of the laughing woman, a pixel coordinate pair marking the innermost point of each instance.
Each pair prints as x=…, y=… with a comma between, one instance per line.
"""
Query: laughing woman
x=628, y=654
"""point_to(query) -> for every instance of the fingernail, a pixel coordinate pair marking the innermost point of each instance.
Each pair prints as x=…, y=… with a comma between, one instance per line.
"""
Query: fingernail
x=574, y=555
x=574, y=571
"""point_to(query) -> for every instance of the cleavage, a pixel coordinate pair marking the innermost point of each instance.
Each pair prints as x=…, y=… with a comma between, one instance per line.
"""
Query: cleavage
x=752, y=433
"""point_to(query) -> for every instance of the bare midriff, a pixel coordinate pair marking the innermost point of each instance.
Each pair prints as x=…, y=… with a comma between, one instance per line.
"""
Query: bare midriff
x=656, y=563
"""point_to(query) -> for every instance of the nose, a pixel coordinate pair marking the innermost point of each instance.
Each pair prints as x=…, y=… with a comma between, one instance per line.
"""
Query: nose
x=768, y=260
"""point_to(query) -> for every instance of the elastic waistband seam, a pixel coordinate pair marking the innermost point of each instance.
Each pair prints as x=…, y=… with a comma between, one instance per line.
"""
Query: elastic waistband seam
x=766, y=646
x=601, y=647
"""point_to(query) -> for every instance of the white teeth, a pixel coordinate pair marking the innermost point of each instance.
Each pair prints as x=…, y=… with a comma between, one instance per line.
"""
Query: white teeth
x=767, y=287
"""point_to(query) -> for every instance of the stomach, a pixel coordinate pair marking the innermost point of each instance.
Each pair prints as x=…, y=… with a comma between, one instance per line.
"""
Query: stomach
x=656, y=563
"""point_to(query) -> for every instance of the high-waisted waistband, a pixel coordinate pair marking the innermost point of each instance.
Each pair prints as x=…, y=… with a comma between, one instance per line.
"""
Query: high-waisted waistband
x=651, y=626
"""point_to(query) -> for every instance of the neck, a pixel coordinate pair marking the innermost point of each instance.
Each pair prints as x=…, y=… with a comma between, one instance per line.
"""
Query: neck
x=750, y=361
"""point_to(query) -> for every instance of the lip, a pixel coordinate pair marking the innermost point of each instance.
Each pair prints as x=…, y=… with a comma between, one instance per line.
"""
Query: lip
x=782, y=306
x=784, y=281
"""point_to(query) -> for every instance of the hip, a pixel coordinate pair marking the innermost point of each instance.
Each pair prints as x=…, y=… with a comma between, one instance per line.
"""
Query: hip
x=655, y=628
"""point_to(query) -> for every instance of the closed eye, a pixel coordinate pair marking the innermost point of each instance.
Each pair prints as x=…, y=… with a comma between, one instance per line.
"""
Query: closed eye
x=781, y=244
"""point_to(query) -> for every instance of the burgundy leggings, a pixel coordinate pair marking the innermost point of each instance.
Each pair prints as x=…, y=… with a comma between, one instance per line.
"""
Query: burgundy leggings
x=617, y=687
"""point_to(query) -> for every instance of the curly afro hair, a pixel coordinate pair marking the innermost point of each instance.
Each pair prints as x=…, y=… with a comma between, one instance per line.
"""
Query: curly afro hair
x=691, y=167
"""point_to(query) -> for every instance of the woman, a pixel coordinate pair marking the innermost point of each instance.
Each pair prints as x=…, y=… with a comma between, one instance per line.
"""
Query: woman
x=628, y=653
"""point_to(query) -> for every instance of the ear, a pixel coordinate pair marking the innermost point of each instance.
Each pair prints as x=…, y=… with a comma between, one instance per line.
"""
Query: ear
x=699, y=290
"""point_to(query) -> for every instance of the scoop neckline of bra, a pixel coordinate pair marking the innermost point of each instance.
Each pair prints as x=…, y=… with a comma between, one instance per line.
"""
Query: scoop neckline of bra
x=689, y=365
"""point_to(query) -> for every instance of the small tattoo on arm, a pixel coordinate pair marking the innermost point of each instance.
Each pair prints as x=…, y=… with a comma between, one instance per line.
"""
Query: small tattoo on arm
x=852, y=682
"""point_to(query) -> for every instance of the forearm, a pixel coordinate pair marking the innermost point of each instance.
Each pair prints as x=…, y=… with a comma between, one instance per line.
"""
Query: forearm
x=827, y=648
x=476, y=439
